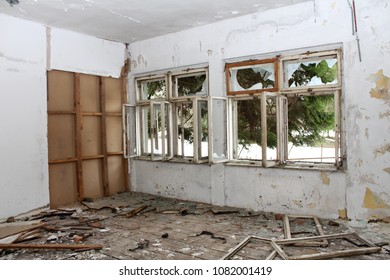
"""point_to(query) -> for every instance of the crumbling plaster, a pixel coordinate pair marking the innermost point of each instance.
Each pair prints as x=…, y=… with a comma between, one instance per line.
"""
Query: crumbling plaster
x=310, y=25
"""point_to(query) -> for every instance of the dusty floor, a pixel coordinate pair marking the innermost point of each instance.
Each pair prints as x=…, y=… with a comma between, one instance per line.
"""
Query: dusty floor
x=141, y=226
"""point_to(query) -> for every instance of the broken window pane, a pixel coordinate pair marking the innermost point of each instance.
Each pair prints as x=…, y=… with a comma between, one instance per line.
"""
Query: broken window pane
x=153, y=89
x=254, y=77
x=194, y=85
x=311, y=72
x=311, y=131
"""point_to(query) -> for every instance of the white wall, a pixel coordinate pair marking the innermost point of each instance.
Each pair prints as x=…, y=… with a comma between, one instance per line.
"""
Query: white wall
x=23, y=117
x=75, y=52
x=363, y=189
x=26, y=52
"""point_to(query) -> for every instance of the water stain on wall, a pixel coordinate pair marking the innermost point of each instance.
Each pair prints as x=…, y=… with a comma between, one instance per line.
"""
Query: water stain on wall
x=374, y=201
x=382, y=86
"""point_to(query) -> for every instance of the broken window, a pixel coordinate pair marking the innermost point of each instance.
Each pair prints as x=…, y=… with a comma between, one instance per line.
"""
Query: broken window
x=300, y=123
x=256, y=126
x=252, y=76
x=173, y=122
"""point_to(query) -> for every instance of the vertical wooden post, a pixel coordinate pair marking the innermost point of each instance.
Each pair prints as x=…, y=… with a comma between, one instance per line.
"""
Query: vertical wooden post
x=125, y=71
x=79, y=127
x=103, y=135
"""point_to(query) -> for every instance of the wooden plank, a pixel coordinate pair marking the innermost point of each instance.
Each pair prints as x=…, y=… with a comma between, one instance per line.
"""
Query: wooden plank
x=60, y=91
x=116, y=178
x=236, y=249
x=93, y=157
x=114, y=134
x=287, y=231
x=338, y=254
x=9, y=229
x=124, y=101
x=52, y=246
x=103, y=136
x=58, y=161
x=279, y=250
x=61, y=135
x=91, y=136
x=113, y=99
x=93, y=183
x=313, y=238
x=78, y=142
x=89, y=92
x=61, y=112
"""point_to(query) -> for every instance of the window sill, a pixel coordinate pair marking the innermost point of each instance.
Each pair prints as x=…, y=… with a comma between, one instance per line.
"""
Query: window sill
x=290, y=165
x=172, y=160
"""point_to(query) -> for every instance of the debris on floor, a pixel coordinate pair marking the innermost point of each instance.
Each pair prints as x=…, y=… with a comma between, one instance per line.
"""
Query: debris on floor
x=139, y=226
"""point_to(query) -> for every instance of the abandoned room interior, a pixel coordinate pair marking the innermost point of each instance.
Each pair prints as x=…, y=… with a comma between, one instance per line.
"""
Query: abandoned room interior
x=195, y=129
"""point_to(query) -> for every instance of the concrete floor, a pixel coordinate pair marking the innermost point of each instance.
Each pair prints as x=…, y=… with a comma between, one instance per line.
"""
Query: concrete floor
x=179, y=230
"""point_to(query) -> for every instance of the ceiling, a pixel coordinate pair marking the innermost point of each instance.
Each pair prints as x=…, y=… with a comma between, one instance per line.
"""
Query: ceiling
x=134, y=20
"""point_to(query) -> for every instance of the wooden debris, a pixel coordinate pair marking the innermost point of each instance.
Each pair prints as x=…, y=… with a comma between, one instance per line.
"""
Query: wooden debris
x=136, y=211
x=243, y=243
x=205, y=232
x=9, y=229
x=325, y=255
x=52, y=246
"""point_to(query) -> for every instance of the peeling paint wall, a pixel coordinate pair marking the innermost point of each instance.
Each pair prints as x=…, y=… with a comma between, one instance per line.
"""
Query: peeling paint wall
x=365, y=108
x=23, y=117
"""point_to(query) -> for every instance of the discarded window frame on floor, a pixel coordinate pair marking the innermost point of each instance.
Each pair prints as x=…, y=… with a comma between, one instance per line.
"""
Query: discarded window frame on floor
x=352, y=238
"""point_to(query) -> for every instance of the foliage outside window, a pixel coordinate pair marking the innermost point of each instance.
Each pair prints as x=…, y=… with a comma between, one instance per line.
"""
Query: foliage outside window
x=252, y=76
x=173, y=121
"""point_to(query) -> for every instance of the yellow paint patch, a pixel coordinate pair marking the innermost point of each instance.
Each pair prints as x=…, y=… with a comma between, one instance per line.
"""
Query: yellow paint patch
x=382, y=86
x=333, y=5
x=387, y=170
x=325, y=178
x=382, y=150
x=298, y=202
x=312, y=205
x=343, y=214
x=373, y=201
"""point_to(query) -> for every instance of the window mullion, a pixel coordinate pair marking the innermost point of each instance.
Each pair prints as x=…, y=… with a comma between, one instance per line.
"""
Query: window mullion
x=263, y=105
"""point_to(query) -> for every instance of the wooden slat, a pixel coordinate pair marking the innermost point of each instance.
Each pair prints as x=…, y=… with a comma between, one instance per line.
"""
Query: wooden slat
x=124, y=101
x=58, y=161
x=92, y=114
x=52, y=246
x=343, y=253
x=61, y=112
x=80, y=185
x=103, y=136
x=93, y=157
x=115, y=153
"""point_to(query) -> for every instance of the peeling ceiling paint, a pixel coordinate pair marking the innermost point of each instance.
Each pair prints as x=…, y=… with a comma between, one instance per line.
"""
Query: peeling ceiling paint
x=129, y=21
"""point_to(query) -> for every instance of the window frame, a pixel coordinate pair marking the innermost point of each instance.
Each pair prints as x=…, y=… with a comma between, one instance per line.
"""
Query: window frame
x=283, y=93
x=229, y=66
